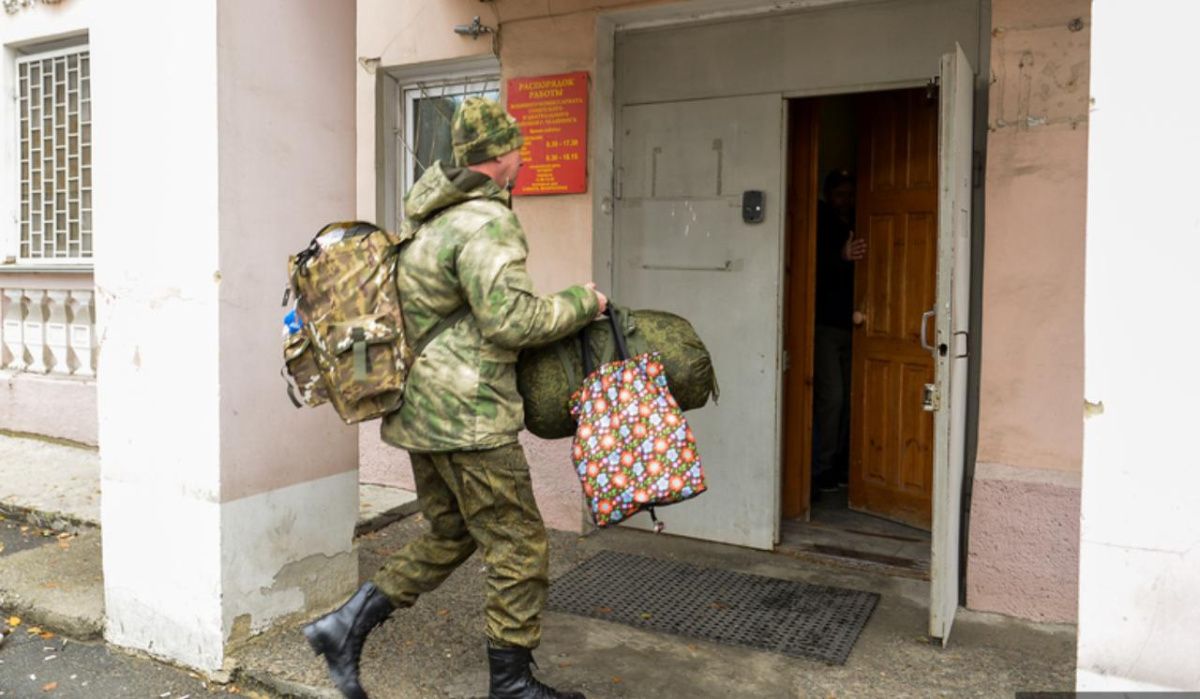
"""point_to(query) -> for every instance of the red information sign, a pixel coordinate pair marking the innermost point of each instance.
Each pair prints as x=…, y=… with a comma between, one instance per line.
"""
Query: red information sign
x=552, y=111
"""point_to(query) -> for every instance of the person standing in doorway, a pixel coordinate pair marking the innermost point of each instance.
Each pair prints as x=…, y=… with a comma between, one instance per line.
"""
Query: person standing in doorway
x=837, y=252
x=462, y=412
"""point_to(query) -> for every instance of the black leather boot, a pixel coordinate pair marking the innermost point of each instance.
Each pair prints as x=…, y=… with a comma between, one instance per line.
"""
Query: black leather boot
x=339, y=636
x=512, y=679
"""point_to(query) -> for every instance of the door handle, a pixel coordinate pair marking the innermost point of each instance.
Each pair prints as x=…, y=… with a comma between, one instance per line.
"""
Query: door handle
x=924, y=326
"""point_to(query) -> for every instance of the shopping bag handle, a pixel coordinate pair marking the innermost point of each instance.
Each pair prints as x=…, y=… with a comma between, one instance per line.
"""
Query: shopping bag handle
x=618, y=337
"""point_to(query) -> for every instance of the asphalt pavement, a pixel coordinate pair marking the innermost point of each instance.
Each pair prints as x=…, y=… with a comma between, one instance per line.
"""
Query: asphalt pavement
x=37, y=662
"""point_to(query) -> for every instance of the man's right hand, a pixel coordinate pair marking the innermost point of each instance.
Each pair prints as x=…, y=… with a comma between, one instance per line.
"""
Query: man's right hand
x=591, y=286
x=854, y=249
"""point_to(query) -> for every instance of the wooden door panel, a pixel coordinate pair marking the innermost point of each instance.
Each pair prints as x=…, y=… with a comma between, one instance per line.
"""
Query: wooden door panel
x=799, y=281
x=891, y=434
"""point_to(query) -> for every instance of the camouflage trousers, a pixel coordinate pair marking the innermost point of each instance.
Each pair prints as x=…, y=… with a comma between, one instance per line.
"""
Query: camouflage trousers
x=478, y=499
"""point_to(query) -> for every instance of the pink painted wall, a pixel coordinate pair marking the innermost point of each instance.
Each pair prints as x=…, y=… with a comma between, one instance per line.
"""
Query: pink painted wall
x=1024, y=527
x=1031, y=408
x=55, y=407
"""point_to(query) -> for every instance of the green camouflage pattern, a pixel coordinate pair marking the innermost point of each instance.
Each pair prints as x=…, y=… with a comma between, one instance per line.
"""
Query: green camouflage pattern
x=352, y=350
x=307, y=383
x=482, y=130
x=547, y=376
x=469, y=248
x=478, y=500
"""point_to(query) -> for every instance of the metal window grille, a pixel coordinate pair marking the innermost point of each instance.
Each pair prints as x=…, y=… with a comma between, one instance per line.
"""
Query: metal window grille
x=427, y=109
x=55, y=131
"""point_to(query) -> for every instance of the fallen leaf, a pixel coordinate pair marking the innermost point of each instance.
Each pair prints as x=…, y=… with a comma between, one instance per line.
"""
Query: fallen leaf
x=51, y=585
x=14, y=621
x=443, y=612
x=616, y=680
x=604, y=610
x=647, y=616
x=49, y=686
x=47, y=635
x=66, y=535
x=33, y=631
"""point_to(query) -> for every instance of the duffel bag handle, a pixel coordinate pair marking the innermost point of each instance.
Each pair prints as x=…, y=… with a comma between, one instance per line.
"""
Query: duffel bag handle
x=618, y=338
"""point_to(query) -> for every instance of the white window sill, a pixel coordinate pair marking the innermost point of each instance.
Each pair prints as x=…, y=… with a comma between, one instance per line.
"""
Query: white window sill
x=47, y=268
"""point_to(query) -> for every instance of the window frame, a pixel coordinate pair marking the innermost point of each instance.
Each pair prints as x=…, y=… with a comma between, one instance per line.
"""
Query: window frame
x=423, y=89
x=10, y=255
x=397, y=85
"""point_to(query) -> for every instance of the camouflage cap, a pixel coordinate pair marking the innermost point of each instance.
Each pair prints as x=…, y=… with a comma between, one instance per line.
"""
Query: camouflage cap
x=482, y=130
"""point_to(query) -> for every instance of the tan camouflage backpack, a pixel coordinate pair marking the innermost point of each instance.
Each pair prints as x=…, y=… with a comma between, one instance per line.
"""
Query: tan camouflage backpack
x=344, y=342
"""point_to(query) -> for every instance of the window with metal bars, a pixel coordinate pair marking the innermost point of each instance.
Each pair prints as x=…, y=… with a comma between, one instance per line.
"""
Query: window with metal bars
x=54, y=110
x=427, y=109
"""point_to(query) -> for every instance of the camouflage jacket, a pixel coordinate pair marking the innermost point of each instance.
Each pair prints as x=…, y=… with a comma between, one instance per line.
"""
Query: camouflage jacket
x=469, y=248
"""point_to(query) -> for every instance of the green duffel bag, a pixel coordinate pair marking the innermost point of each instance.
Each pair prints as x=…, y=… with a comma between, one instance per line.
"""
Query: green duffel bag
x=548, y=375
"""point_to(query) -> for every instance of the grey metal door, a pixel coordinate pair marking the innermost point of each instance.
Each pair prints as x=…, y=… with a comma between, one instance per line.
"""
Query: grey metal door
x=952, y=360
x=681, y=245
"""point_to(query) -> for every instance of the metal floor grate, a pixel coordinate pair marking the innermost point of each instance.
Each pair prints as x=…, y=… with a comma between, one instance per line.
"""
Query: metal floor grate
x=722, y=606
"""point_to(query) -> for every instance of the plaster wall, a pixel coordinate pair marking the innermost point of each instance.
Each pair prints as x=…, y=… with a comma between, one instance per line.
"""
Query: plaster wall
x=1031, y=404
x=1139, y=625
x=143, y=312
x=1024, y=518
x=55, y=407
x=196, y=435
x=286, y=141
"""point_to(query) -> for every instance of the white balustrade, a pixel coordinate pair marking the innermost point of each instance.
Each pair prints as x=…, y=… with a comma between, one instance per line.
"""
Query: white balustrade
x=12, y=311
x=47, y=328
x=83, y=333
x=35, y=330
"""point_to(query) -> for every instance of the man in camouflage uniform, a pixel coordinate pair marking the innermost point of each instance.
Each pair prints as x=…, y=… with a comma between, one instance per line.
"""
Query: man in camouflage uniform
x=462, y=412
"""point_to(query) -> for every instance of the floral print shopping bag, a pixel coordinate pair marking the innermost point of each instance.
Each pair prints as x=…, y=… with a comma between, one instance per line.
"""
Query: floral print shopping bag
x=633, y=449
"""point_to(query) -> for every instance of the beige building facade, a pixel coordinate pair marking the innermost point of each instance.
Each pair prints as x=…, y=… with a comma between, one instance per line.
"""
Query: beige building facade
x=1024, y=418
x=977, y=112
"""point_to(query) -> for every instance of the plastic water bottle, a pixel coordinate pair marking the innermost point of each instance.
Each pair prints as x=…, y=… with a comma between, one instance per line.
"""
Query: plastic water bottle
x=293, y=322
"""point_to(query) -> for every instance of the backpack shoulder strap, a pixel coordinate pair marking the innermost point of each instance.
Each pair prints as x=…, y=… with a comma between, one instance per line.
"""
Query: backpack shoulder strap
x=442, y=326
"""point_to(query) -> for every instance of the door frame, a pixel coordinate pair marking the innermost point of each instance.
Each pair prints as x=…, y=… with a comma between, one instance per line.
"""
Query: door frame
x=602, y=166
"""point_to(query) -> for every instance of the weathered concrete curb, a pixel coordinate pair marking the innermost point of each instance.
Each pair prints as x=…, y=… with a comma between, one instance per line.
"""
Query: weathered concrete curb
x=281, y=688
x=374, y=523
x=56, y=521
x=57, y=587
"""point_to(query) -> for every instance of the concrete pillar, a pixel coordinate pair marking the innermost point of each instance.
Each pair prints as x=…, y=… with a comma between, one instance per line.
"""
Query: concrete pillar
x=224, y=137
x=1139, y=624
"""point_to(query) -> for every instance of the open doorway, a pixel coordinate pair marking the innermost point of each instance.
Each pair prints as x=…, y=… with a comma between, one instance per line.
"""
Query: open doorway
x=861, y=274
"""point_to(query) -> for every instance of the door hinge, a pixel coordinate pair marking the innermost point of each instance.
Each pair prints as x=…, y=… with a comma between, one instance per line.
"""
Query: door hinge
x=932, y=88
x=977, y=173
x=933, y=399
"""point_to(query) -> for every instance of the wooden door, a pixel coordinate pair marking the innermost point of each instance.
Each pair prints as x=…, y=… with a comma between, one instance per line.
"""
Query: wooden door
x=897, y=212
x=800, y=229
